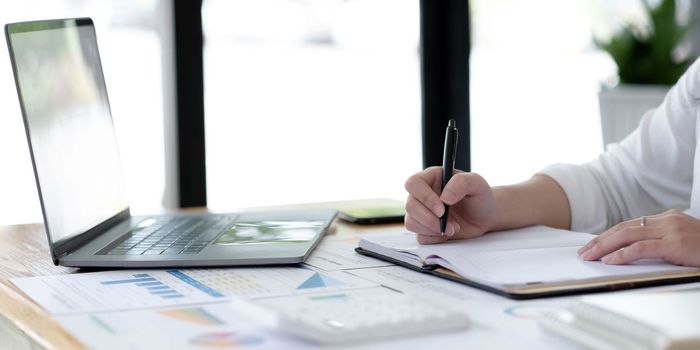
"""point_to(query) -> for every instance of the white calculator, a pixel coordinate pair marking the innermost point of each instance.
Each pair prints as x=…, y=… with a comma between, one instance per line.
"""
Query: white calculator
x=351, y=316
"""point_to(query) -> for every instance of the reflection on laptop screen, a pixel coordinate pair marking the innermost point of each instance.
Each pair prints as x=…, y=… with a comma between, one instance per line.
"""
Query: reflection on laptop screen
x=69, y=124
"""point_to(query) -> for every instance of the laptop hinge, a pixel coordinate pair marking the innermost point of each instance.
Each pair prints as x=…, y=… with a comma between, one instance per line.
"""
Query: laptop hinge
x=63, y=248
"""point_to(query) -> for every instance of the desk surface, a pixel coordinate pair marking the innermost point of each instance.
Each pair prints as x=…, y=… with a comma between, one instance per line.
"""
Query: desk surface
x=24, y=252
x=25, y=325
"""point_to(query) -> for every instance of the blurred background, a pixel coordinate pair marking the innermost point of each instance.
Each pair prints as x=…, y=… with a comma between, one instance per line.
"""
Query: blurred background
x=337, y=86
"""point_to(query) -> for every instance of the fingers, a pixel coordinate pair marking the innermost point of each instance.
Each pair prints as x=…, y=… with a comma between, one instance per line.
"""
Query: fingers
x=603, y=236
x=461, y=185
x=419, y=228
x=416, y=210
x=424, y=206
x=581, y=251
x=649, y=221
x=650, y=249
x=431, y=239
x=425, y=235
x=673, y=237
x=420, y=186
x=465, y=230
x=630, y=241
x=620, y=239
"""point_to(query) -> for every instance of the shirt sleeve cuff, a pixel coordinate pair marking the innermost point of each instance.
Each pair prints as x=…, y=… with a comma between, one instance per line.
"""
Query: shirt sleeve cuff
x=585, y=197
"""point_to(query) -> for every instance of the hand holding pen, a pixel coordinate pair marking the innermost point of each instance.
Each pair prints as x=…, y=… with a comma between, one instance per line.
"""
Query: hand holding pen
x=445, y=203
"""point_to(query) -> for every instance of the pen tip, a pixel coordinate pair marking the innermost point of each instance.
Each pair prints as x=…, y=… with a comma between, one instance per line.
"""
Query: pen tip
x=451, y=123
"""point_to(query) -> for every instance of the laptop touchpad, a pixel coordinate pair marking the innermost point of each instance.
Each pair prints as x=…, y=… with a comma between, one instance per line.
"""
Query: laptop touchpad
x=267, y=232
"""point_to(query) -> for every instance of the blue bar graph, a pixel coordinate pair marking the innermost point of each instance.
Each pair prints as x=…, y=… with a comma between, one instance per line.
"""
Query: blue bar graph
x=164, y=291
x=158, y=287
x=148, y=282
x=133, y=280
x=171, y=296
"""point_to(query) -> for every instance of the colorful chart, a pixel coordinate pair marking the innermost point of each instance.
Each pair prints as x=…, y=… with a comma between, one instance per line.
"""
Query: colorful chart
x=318, y=281
x=196, y=316
x=225, y=340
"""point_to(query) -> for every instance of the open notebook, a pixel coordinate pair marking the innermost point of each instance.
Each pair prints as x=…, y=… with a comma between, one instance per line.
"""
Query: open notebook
x=525, y=263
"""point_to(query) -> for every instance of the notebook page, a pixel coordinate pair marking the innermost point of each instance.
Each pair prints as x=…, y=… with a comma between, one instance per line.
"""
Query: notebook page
x=403, y=245
x=535, y=254
x=522, y=238
x=544, y=265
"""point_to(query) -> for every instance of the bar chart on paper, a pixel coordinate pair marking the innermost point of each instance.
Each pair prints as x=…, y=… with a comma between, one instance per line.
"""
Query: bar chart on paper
x=138, y=289
x=149, y=283
x=159, y=288
x=116, y=290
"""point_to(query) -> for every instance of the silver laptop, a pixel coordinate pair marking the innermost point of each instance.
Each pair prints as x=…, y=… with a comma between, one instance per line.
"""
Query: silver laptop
x=78, y=172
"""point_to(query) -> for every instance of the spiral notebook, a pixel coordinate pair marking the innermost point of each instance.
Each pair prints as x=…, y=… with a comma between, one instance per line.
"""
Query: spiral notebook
x=525, y=263
x=659, y=320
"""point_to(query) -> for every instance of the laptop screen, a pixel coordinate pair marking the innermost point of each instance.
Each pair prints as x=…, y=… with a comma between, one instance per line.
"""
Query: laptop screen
x=69, y=124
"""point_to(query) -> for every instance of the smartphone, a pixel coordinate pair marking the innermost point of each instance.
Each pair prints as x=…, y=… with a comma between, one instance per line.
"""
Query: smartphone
x=373, y=215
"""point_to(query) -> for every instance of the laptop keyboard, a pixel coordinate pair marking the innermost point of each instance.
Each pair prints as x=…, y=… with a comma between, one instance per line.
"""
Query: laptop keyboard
x=156, y=236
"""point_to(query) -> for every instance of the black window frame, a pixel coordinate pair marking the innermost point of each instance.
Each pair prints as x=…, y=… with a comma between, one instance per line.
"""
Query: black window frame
x=445, y=47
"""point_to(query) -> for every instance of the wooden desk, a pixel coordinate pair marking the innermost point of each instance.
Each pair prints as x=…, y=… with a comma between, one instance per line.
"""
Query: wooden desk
x=24, y=252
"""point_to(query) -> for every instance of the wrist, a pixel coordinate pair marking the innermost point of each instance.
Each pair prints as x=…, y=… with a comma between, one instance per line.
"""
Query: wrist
x=504, y=216
x=537, y=201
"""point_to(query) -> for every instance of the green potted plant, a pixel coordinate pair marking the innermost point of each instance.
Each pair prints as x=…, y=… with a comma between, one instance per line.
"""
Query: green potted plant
x=648, y=63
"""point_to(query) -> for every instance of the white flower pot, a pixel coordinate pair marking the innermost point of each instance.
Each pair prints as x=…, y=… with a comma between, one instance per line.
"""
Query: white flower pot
x=622, y=107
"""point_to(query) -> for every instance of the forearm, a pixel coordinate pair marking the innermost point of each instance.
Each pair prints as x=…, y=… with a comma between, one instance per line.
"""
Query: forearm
x=537, y=201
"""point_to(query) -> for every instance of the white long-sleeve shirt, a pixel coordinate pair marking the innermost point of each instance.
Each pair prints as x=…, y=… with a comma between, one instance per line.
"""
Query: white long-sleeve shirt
x=654, y=169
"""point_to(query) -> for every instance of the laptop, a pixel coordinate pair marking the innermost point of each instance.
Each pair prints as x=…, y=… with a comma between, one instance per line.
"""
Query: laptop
x=78, y=172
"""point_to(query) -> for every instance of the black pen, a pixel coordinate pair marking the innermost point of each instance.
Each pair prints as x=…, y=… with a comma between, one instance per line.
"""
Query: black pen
x=448, y=164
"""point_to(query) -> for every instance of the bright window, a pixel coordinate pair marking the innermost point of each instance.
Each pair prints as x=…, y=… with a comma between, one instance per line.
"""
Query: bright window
x=535, y=75
x=310, y=100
